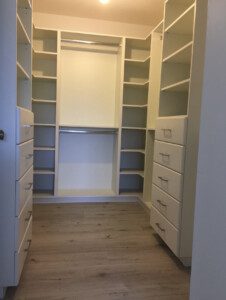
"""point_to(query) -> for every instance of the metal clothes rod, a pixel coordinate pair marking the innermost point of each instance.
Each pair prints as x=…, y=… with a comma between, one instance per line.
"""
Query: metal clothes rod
x=89, y=42
x=87, y=131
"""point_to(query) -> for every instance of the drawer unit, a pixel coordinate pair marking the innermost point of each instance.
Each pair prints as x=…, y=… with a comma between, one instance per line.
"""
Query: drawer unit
x=172, y=129
x=21, y=254
x=168, y=206
x=24, y=190
x=22, y=222
x=170, y=155
x=24, y=158
x=25, y=125
x=169, y=181
x=165, y=230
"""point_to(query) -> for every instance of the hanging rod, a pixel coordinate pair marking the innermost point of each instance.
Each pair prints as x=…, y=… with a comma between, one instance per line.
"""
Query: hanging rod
x=88, y=131
x=89, y=42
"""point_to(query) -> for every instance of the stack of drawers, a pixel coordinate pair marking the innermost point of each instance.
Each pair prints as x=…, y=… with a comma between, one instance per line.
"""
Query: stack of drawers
x=24, y=187
x=168, y=169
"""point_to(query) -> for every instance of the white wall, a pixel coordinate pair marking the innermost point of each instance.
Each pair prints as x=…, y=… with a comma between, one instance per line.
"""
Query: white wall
x=90, y=25
x=208, y=280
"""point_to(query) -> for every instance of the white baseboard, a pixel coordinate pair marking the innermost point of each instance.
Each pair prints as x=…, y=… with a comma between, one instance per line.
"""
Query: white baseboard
x=62, y=200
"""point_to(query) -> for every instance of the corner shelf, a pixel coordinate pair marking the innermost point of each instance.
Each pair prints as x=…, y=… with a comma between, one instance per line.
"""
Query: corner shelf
x=22, y=36
x=144, y=84
x=44, y=101
x=184, y=23
x=45, y=55
x=21, y=73
x=182, y=55
x=182, y=86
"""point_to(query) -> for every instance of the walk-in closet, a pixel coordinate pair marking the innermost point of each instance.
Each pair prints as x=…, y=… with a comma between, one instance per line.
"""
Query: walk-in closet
x=101, y=106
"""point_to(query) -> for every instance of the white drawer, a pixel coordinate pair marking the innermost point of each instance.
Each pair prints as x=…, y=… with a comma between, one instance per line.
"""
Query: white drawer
x=165, y=230
x=24, y=158
x=169, y=181
x=172, y=129
x=21, y=255
x=24, y=190
x=22, y=222
x=25, y=125
x=170, y=155
x=167, y=205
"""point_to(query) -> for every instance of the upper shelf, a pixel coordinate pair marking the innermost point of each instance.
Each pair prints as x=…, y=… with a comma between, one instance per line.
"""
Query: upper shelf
x=44, y=55
x=183, y=55
x=184, y=24
x=22, y=36
x=181, y=86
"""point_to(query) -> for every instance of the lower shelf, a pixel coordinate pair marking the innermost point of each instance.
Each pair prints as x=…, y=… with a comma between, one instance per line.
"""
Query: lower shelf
x=42, y=194
x=86, y=193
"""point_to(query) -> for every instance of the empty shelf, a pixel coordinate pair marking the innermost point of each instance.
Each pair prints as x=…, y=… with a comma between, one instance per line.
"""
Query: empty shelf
x=133, y=151
x=24, y=4
x=183, y=55
x=44, y=101
x=135, y=106
x=137, y=84
x=181, y=86
x=44, y=125
x=22, y=36
x=133, y=128
x=44, y=171
x=44, y=149
x=132, y=172
x=41, y=77
x=44, y=55
x=21, y=73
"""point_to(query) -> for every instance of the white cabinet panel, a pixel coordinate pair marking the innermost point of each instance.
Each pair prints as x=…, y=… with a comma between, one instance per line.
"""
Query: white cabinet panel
x=22, y=222
x=169, y=181
x=170, y=155
x=172, y=129
x=24, y=158
x=25, y=122
x=166, y=231
x=21, y=255
x=24, y=190
x=168, y=206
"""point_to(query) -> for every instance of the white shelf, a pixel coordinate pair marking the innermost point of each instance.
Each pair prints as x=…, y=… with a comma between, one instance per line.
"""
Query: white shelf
x=22, y=36
x=132, y=172
x=44, y=125
x=133, y=128
x=44, y=101
x=21, y=73
x=86, y=193
x=136, y=84
x=131, y=193
x=182, y=86
x=39, y=77
x=134, y=106
x=43, y=194
x=24, y=4
x=44, y=149
x=133, y=151
x=44, y=55
x=184, y=23
x=183, y=55
x=138, y=62
x=44, y=172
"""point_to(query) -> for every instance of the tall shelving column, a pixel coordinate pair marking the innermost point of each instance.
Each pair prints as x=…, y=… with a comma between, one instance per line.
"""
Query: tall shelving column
x=134, y=115
x=44, y=95
x=153, y=108
x=16, y=142
x=177, y=128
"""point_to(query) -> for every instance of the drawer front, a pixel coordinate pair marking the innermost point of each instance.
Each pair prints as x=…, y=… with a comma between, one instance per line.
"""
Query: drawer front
x=24, y=190
x=25, y=125
x=24, y=158
x=170, y=155
x=172, y=130
x=168, y=180
x=21, y=255
x=166, y=205
x=22, y=222
x=165, y=230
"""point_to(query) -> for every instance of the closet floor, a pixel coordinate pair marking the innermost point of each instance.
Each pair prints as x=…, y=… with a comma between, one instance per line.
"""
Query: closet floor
x=98, y=252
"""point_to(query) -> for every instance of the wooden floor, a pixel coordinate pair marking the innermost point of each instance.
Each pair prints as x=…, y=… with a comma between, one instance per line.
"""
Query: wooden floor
x=98, y=252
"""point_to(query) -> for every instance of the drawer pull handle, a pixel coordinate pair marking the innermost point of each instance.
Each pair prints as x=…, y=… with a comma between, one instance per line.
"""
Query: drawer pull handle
x=29, y=156
x=164, y=154
x=158, y=225
x=163, y=179
x=29, y=216
x=162, y=204
x=28, y=247
x=30, y=185
x=167, y=132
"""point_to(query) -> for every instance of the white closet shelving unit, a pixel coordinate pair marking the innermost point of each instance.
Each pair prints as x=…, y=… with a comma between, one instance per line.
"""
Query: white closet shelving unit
x=44, y=106
x=177, y=127
x=16, y=144
x=97, y=132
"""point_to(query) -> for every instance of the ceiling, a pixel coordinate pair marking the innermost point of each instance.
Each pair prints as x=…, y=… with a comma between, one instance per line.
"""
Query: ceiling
x=142, y=12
